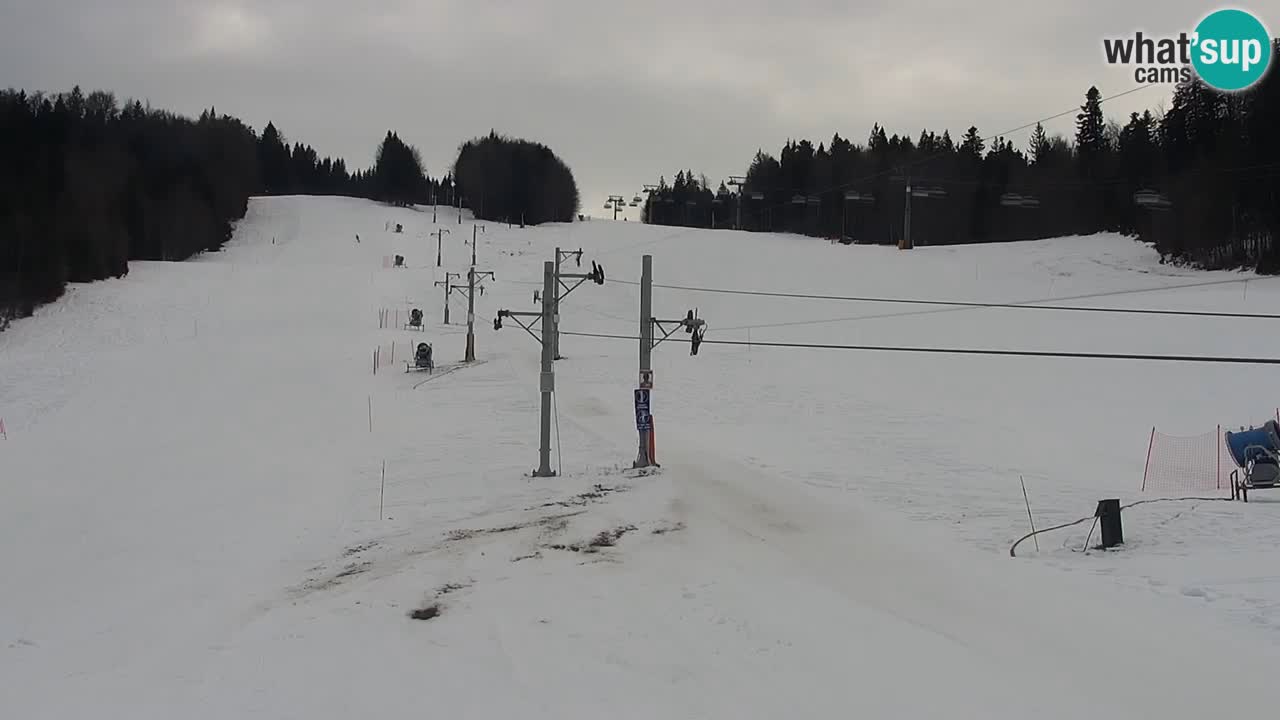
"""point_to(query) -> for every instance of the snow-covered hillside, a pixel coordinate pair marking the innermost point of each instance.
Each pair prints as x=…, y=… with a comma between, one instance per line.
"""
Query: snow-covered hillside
x=190, y=488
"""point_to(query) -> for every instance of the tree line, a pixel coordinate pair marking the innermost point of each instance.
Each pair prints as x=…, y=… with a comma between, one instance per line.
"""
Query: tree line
x=1201, y=182
x=511, y=180
x=88, y=184
x=398, y=174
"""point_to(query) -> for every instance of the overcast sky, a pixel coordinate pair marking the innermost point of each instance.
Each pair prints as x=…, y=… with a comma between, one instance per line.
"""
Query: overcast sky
x=624, y=92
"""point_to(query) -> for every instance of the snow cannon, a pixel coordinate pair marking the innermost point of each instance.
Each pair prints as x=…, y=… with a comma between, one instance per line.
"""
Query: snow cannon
x=1256, y=453
x=422, y=359
x=1248, y=445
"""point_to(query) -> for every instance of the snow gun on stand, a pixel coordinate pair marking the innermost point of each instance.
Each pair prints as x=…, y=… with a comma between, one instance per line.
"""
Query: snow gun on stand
x=1256, y=453
x=422, y=359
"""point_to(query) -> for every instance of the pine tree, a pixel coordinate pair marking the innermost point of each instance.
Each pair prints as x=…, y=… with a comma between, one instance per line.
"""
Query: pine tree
x=973, y=144
x=273, y=158
x=397, y=172
x=1091, y=138
x=1039, y=144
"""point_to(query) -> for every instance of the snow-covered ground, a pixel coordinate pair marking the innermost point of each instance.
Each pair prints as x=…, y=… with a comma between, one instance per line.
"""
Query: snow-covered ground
x=190, y=489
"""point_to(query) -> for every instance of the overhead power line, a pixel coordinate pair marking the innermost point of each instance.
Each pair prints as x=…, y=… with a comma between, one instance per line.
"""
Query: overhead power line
x=1028, y=305
x=1208, y=359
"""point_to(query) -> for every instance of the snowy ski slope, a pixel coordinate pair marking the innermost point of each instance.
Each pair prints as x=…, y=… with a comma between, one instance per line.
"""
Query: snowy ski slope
x=190, y=489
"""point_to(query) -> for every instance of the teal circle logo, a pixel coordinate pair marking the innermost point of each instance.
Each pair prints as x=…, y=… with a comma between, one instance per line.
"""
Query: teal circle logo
x=1231, y=50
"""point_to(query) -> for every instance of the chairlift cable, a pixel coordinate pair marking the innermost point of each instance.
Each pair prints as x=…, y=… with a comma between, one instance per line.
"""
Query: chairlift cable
x=1208, y=359
x=1027, y=305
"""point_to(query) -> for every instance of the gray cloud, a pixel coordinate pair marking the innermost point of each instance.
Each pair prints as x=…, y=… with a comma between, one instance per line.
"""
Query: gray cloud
x=624, y=92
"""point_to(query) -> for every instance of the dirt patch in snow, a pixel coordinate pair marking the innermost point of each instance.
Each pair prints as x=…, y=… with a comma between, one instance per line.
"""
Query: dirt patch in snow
x=664, y=529
x=357, y=549
x=604, y=539
x=316, y=584
x=448, y=588
x=546, y=521
x=597, y=493
x=428, y=612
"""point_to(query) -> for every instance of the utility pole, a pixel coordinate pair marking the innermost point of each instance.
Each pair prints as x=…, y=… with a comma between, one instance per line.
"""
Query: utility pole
x=740, y=182
x=547, y=381
x=617, y=201
x=433, y=206
x=596, y=275
x=644, y=421
x=547, y=339
x=473, y=241
x=852, y=196
x=555, y=310
x=906, y=221
x=693, y=325
x=547, y=378
x=439, y=243
x=471, y=312
x=448, y=290
x=651, y=205
x=907, y=243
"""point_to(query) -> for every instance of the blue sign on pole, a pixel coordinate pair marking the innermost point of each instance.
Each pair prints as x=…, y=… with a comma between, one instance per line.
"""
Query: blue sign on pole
x=644, y=421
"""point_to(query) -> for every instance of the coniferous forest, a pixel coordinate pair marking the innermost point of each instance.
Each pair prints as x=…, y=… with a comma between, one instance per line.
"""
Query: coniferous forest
x=1201, y=182
x=515, y=181
x=88, y=184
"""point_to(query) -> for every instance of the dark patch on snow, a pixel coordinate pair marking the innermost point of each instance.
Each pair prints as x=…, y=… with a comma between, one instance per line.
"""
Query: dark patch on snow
x=357, y=549
x=664, y=529
x=467, y=534
x=555, y=527
x=456, y=535
x=606, y=538
x=313, y=585
x=450, y=588
x=426, y=613
x=353, y=569
x=598, y=492
x=609, y=538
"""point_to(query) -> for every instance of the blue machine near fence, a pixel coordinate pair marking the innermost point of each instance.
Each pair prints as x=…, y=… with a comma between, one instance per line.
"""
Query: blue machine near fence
x=1256, y=453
